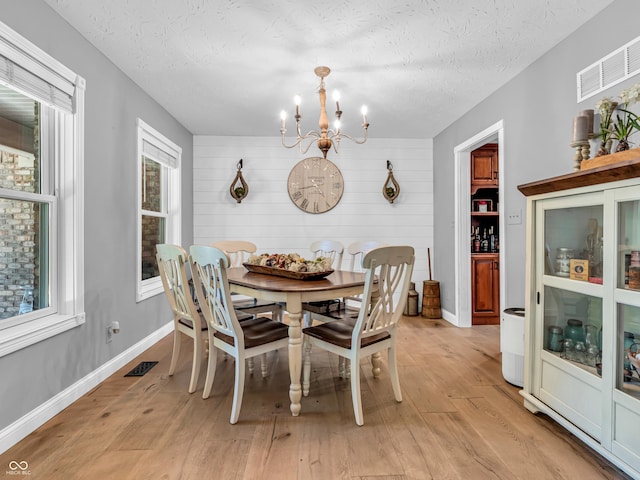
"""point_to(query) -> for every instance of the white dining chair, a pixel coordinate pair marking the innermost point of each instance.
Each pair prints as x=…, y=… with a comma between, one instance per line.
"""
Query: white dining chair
x=346, y=308
x=241, y=340
x=388, y=270
x=187, y=320
x=238, y=251
x=334, y=250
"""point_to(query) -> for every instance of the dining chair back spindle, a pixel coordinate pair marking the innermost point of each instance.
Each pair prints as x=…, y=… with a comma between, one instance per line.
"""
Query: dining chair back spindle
x=241, y=340
x=332, y=249
x=388, y=276
x=357, y=251
x=187, y=320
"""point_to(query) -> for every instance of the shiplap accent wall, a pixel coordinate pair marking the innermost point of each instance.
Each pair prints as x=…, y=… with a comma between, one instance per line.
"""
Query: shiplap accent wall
x=268, y=218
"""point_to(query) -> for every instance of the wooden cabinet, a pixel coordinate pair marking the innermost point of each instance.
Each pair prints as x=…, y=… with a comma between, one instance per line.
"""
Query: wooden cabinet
x=485, y=272
x=484, y=167
x=583, y=307
x=485, y=286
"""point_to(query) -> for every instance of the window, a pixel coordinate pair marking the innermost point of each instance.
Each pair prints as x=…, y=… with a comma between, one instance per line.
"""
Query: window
x=41, y=195
x=158, y=204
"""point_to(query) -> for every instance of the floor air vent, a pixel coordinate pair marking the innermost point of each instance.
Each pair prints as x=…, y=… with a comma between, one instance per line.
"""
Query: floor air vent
x=141, y=369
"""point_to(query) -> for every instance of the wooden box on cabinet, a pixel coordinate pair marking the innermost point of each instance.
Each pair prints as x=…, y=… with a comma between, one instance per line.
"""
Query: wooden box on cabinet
x=596, y=215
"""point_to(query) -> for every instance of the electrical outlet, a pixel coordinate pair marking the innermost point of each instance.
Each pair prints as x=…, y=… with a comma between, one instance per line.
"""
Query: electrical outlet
x=109, y=333
x=514, y=217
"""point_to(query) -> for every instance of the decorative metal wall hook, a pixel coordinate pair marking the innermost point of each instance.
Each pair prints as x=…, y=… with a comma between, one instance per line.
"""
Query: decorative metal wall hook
x=391, y=188
x=239, y=188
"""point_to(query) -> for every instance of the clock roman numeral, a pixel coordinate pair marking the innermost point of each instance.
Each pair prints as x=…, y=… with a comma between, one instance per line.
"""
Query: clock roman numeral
x=304, y=204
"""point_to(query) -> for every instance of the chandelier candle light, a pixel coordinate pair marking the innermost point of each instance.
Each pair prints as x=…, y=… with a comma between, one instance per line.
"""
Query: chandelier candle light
x=326, y=137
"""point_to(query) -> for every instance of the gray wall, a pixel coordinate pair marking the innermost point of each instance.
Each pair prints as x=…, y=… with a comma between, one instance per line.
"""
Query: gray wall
x=33, y=375
x=537, y=107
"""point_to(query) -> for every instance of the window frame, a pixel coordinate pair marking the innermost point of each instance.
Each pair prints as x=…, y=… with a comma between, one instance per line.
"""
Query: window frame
x=41, y=77
x=170, y=157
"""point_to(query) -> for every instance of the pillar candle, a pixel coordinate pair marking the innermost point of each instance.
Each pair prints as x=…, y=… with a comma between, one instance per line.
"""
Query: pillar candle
x=579, y=128
x=597, y=118
x=589, y=114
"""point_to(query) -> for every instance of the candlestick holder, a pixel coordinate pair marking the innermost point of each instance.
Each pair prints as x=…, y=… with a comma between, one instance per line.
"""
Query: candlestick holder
x=583, y=152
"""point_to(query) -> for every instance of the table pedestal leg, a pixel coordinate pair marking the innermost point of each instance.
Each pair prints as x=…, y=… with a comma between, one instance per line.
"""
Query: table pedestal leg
x=295, y=356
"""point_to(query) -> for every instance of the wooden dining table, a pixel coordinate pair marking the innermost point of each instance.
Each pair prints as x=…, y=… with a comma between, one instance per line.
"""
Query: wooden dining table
x=293, y=293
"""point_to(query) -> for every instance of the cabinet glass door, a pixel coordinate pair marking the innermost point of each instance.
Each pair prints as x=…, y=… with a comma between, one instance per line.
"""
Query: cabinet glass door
x=629, y=245
x=573, y=242
x=573, y=327
x=628, y=346
x=628, y=305
x=572, y=281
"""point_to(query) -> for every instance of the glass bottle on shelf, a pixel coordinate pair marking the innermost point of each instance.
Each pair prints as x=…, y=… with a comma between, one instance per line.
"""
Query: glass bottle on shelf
x=574, y=330
x=563, y=261
x=569, y=349
x=484, y=243
x=492, y=240
x=556, y=339
x=634, y=270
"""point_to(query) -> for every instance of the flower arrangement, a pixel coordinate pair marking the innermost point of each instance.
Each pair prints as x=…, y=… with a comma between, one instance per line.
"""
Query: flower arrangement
x=623, y=125
x=291, y=261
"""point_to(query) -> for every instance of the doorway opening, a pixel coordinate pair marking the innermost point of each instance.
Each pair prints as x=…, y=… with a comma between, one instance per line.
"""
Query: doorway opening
x=463, y=208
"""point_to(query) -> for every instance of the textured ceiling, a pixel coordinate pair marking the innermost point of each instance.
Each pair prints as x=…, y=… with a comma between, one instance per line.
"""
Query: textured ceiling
x=228, y=67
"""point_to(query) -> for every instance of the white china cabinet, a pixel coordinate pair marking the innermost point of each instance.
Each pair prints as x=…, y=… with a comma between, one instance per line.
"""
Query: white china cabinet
x=583, y=307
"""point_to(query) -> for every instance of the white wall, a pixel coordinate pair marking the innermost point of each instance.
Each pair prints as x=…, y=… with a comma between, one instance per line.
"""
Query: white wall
x=268, y=218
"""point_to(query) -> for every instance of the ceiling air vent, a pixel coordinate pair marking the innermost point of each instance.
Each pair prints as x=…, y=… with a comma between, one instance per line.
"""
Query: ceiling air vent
x=619, y=65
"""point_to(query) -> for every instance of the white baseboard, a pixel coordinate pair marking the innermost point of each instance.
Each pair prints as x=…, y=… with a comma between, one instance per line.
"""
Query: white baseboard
x=25, y=425
x=450, y=317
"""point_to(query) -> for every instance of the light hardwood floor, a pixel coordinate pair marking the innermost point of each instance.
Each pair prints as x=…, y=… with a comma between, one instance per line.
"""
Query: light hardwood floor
x=459, y=420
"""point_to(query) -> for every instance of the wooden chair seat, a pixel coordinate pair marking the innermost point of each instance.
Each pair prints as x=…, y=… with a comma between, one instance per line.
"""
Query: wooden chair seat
x=258, y=331
x=332, y=310
x=251, y=304
x=189, y=323
x=242, y=317
x=340, y=334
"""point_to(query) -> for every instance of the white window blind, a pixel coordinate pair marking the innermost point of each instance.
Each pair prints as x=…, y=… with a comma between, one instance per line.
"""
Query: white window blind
x=27, y=71
x=163, y=154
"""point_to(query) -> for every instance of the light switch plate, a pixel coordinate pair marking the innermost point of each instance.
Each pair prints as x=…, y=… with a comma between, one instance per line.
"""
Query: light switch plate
x=514, y=217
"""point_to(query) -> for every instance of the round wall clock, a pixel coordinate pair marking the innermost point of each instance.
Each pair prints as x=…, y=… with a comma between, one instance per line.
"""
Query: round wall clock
x=315, y=185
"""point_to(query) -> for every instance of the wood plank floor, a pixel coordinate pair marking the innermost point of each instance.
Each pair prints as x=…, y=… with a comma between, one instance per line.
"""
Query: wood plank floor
x=459, y=420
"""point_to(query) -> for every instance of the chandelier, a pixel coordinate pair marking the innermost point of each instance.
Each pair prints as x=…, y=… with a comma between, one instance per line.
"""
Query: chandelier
x=326, y=137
